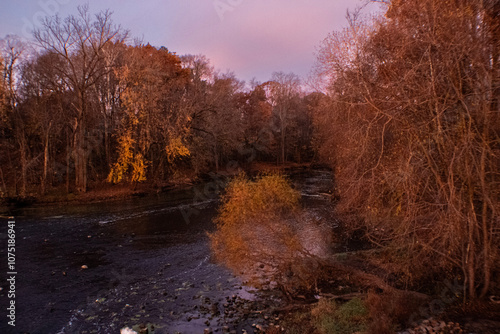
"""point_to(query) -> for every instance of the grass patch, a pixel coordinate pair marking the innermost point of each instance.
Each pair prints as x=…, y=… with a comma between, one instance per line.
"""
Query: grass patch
x=332, y=318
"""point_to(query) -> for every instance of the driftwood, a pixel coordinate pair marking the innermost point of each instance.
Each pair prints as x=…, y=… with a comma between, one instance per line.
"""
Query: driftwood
x=347, y=296
x=360, y=277
x=373, y=281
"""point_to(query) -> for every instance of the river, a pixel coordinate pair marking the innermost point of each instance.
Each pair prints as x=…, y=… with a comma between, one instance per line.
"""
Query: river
x=99, y=267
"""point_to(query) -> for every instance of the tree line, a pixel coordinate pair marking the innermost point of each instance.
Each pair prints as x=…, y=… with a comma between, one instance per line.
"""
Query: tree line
x=81, y=105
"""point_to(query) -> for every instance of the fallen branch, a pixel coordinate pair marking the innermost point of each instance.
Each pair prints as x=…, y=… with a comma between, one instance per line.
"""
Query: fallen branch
x=347, y=296
x=371, y=280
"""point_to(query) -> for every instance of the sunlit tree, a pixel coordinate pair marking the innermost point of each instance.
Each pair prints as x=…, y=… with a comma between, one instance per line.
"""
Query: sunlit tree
x=154, y=125
x=414, y=131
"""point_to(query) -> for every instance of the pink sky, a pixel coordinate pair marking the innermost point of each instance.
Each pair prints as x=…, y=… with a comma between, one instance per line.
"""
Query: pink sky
x=253, y=38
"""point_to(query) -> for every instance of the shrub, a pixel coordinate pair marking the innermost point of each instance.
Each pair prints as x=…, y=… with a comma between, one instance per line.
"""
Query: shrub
x=347, y=318
x=390, y=311
x=263, y=235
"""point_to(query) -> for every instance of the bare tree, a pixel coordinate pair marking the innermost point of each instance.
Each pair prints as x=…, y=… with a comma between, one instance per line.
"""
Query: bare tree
x=12, y=50
x=284, y=90
x=107, y=92
x=42, y=105
x=415, y=136
x=80, y=42
x=3, y=125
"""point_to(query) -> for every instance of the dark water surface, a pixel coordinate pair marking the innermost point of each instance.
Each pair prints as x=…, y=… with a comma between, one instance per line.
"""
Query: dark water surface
x=99, y=267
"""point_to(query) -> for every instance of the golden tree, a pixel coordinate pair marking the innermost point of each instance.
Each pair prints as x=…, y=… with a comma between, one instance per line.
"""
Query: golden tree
x=153, y=126
x=263, y=235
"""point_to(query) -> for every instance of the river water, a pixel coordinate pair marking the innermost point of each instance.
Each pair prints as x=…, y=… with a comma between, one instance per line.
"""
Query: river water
x=99, y=267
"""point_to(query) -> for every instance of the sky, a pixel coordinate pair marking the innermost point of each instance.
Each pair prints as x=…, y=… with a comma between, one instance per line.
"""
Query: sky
x=252, y=38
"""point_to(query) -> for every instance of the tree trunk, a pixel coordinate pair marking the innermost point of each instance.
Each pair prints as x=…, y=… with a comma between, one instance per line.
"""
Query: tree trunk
x=24, y=163
x=107, y=149
x=4, y=186
x=470, y=262
x=486, y=252
x=68, y=154
x=216, y=157
x=80, y=149
x=80, y=162
x=45, y=160
x=283, y=146
x=283, y=127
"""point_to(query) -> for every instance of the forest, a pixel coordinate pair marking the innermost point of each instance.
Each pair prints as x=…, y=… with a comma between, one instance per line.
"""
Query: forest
x=87, y=108
x=404, y=108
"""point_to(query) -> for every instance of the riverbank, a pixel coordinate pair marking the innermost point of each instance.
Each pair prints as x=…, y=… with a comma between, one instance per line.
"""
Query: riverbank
x=104, y=191
x=143, y=261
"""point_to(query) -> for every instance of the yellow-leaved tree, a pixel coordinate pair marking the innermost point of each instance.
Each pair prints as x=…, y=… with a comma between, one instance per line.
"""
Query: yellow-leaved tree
x=154, y=121
x=131, y=164
x=128, y=162
x=263, y=235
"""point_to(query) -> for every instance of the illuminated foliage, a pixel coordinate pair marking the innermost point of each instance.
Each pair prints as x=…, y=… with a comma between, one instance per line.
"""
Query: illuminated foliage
x=176, y=149
x=261, y=234
x=128, y=162
x=150, y=77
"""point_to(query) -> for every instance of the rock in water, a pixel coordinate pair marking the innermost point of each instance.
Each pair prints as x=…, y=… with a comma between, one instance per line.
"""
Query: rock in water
x=127, y=330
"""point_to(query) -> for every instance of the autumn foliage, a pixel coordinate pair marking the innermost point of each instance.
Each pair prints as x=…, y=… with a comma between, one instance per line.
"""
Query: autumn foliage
x=262, y=234
x=153, y=126
x=413, y=131
x=96, y=108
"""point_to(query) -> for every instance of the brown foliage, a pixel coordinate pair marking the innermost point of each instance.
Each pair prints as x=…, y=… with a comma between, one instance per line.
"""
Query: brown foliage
x=263, y=235
x=414, y=129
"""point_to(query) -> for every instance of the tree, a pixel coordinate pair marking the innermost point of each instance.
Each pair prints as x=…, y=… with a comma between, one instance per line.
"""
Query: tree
x=3, y=95
x=12, y=50
x=284, y=90
x=218, y=128
x=154, y=125
x=213, y=101
x=3, y=125
x=106, y=96
x=263, y=235
x=199, y=68
x=305, y=127
x=414, y=136
x=257, y=120
x=80, y=42
x=42, y=105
